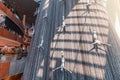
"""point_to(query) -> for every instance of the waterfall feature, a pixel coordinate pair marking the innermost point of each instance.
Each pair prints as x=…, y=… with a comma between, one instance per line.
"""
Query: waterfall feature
x=82, y=18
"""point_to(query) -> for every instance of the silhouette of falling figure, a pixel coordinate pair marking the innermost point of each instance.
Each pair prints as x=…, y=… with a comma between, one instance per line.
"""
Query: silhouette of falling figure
x=96, y=2
x=96, y=43
x=88, y=9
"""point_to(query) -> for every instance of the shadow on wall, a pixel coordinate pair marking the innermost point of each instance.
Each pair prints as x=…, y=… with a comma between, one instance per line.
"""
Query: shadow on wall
x=76, y=43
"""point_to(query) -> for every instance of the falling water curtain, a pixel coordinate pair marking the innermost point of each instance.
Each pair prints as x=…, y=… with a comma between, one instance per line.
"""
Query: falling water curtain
x=37, y=56
x=77, y=41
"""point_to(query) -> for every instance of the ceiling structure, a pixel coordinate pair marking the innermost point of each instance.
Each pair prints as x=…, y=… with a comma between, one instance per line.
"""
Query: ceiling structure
x=23, y=7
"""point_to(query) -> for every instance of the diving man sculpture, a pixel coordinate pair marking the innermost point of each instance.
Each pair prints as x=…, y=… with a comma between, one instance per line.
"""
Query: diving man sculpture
x=96, y=43
x=62, y=66
x=88, y=10
x=41, y=45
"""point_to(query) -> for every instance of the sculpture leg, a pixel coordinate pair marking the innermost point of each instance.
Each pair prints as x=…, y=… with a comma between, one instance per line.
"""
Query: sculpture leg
x=106, y=44
x=102, y=49
x=91, y=50
x=67, y=70
x=56, y=68
x=63, y=75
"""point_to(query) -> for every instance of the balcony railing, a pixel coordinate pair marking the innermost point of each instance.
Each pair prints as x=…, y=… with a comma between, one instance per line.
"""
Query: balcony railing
x=9, y=35
x=4, y=69
x=11, y=16
x=11, y=66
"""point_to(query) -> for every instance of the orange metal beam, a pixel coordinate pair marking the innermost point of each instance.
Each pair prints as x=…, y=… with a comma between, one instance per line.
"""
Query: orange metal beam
x=4, y=69
x=11, y=16
x=7, y=37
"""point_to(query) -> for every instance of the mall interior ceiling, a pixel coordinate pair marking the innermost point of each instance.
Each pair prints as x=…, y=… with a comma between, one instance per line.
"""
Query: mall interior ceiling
x=23, y=7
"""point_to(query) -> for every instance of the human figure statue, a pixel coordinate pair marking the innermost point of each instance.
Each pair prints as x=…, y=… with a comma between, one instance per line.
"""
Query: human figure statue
x=96, y=43
x=62, y=66
x=41, y=45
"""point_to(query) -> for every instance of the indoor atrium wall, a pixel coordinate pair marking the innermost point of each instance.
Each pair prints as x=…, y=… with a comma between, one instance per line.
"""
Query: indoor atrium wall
x=75, y=40
x=113, y=8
